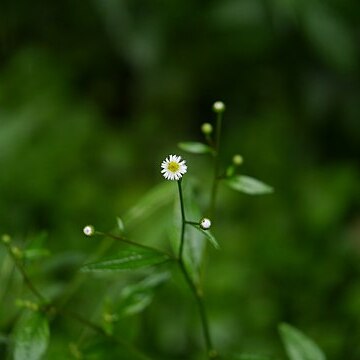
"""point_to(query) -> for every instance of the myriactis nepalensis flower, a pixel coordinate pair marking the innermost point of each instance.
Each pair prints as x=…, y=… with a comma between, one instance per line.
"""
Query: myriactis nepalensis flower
x=173, y=167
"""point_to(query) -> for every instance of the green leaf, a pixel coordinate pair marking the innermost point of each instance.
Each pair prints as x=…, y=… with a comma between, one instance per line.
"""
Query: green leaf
x=136, y=297
x=248, y=185
x=250, y=357
x=34, y=254
x=298, y=346
x=194, y=147
x=330, y=36
x=31, y=336
x=127, y=260
x=209, y=236
x=120, y=224
x=155, y=199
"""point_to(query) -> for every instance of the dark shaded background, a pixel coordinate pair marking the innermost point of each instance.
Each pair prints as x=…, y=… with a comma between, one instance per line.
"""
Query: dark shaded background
x=94, y=94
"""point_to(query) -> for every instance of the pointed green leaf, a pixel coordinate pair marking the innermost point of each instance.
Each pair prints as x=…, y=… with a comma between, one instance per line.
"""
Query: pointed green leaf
x=194, y=147
x=120, y=224
x=127, y=260
x=31, y=336
x=155, y=199
x=248, y=185
x=298, y=346
x=209, y=236
x=34, y=254
x=250, y=357
x=136, y=297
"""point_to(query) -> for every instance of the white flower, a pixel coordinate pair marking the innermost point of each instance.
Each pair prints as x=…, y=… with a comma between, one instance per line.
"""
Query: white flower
x=89, y=230
x=205, y=223
x=173, y=168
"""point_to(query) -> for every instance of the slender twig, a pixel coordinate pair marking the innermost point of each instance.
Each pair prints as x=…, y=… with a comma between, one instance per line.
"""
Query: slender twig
x=216, y=177
x=183, y=221
x=25, y=277
x=57, y=310
x=134, y=243
x=98, y=329
x=196, y=291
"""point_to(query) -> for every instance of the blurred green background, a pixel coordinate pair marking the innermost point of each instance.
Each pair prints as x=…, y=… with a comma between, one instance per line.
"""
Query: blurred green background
x=94, y=95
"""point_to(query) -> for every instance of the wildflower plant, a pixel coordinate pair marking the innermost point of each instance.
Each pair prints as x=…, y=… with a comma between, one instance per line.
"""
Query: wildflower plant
x=192, y=232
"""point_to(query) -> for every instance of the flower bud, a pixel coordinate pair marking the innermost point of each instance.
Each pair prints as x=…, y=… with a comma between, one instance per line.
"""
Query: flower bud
x=219, y=107
x=89, y=230
x=6, y=239
x=206, y=128
x=17, y=253
x=205, y=223
x=237, y=160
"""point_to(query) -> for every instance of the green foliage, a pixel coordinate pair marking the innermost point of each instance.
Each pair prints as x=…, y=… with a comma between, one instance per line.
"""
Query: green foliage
x=298, y=346
x=93, y=94
x=194, y=147
x=31, y=336
x=209, y=236
x=127, y=260
x=248, y=185
x=135, y=298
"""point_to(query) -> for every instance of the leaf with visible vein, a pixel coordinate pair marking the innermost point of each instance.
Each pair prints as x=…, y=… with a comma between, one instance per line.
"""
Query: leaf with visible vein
x=31, y=336
x=248, y=185
x=194, y=147
x=298, y=346
x=127, y=260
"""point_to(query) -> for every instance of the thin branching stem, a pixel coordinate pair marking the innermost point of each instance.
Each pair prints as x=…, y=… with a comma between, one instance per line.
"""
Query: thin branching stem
x=134, y=243
x=196, y=291
x=77, y=317
x=216, y=175
x=183, y=220
x=25, y=277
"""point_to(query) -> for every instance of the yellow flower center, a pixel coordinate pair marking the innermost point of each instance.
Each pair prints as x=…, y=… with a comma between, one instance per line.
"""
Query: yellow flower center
x=173, y=166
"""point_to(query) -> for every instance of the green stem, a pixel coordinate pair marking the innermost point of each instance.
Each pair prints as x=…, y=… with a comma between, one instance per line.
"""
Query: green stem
x=74, y=316
x=216, y=176
x=98, y=329
x=183, y=221
x=211, y=353
x=26, y=278
x=133, y=243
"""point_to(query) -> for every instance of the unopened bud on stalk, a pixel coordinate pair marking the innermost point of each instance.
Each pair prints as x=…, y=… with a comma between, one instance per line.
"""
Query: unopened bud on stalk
x=219, y=106
x=205, y=224
x=17, y=253
x=6, y=239
x=89, y=230
x=206, y=128
x=237, y=160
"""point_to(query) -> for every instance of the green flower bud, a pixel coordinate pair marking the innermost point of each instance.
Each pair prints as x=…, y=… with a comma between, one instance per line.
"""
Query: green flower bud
x=237, y=160
x=206, y=128
x=17, y=253
x=6, y=239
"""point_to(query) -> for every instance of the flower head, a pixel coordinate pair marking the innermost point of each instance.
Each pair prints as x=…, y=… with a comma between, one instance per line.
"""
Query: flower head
x=173, y=168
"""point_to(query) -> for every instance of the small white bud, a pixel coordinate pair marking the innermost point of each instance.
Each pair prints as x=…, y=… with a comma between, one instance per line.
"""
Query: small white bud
x=206, y=128
x=237, y=160
x=219, y=107
x=205, y=223
x=89, y=230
